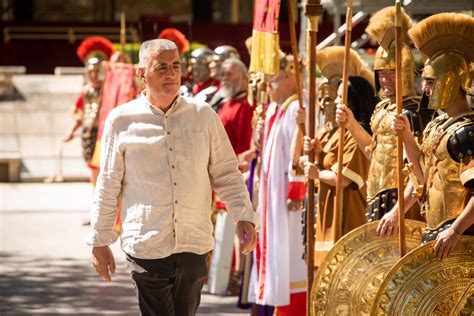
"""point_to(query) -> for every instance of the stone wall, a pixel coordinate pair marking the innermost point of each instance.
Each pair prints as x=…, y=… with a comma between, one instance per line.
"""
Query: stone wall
x=33, y=125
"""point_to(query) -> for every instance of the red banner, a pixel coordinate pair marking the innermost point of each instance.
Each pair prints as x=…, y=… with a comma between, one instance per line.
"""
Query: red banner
x=265, y=16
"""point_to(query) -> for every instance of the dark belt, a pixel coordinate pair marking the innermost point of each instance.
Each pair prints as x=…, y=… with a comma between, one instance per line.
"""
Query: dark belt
x=381, y=204
x=430, y=234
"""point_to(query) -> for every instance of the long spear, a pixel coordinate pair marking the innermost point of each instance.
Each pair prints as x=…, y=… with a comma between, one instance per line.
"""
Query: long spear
x=313, y=9
x=294, y=51
x=399, y=95
x=340, y=152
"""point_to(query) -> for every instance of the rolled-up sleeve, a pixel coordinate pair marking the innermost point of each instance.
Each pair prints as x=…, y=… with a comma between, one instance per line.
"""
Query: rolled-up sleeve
x=107, y=190
x=225, y=176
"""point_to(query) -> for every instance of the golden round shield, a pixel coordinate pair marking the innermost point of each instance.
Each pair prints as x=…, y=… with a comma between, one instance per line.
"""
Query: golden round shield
x=348, y=279
x=420, y=284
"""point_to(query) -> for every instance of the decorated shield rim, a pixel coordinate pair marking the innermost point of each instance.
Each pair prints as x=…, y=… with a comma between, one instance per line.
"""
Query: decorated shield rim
x=408, y=257
x=350, y=235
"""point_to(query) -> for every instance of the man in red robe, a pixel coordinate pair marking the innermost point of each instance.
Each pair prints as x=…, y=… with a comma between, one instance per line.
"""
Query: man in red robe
x=236, y=112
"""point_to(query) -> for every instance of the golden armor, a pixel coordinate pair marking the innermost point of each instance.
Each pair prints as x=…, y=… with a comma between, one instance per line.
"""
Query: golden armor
x=383, y=166
x=445, y=194
x=447, y=40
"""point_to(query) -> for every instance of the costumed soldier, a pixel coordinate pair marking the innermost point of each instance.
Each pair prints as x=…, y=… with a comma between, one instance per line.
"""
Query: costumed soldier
x=201, y=74
x=92, y=52
x=380, y=147
x=445, y=158
x=214, y=94
x=362, y=101
x=421, y=284
x=221, y=53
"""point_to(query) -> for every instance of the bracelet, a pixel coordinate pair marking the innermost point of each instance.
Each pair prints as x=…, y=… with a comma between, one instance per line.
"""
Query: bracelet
x=455, y=231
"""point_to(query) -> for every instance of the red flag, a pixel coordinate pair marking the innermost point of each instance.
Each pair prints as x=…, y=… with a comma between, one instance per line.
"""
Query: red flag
x=265, y=40
x=118, y=88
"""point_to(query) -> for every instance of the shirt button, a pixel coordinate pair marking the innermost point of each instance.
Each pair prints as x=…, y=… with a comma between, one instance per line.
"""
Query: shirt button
x=175, y=183
x=168, y=133
x=176, y=202
x=171, y=149
x=172, y=166
x=166, y=116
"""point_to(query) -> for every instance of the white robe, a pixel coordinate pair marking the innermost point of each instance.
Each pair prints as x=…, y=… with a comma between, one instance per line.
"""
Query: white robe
x=278, y=269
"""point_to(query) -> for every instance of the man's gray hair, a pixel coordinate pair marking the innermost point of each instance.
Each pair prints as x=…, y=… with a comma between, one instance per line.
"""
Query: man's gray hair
x=238, y=64
x=151, y=46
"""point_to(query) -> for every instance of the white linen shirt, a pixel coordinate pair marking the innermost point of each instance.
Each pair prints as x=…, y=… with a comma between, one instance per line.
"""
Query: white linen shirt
x=165, y=165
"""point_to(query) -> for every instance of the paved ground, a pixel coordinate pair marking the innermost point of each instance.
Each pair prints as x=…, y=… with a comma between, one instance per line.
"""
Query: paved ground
x=44, y=261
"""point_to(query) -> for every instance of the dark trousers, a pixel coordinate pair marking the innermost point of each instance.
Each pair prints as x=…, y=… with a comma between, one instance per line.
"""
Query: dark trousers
x=169, y=286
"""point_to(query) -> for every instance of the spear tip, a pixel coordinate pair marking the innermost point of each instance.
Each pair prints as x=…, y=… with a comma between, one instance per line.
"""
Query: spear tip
x=398, y=13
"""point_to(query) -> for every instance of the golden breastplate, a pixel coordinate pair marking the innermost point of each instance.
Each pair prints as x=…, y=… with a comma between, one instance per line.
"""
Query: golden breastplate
x=383, y=163
x=91, y=107
x=445, y=194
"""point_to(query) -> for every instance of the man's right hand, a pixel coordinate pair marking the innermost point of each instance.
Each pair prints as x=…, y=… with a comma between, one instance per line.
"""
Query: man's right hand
x=344, y=116
x=388, y=225
x=68, y=136
x=103, y=261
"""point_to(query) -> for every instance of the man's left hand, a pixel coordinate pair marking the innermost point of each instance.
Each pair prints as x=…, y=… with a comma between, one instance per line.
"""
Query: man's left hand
x=445, y=243
x=294, y=205
x=247, y=236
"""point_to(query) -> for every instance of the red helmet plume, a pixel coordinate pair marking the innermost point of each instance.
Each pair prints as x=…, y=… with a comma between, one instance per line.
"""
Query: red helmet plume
x=177, y=37
x=95, y=46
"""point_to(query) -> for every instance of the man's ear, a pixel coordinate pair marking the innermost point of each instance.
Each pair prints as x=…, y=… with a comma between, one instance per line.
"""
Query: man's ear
x=141, y=73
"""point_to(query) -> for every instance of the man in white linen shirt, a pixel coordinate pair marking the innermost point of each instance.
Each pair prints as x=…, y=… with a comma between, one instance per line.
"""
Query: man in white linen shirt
x=164, y=154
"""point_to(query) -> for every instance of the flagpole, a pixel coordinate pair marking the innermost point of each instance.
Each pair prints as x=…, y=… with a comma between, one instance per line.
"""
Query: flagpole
x=342, y=130
x=123, y=38
x=399, y=103
x=313, y=9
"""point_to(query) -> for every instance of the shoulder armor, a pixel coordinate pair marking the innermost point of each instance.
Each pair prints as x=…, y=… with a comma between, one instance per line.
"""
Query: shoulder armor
x=382, y=105
x=461, y=141
x=412, y=101
x=418, y=118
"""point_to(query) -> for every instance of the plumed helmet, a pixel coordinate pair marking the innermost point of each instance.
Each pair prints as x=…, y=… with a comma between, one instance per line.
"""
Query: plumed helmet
x=381, y=29
x=177, y=37
x=447, y=40
x=95, y=49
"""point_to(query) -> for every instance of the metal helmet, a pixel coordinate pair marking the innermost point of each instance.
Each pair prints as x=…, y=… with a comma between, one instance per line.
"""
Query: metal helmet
x=381, y=29
x=450, y=72
x=327, y=93
x=385, y=59
x=202, y=55
x=225, y=51
x=447, y=39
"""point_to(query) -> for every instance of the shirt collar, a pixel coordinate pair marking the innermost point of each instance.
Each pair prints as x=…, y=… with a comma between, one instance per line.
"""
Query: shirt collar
x=156, y=109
